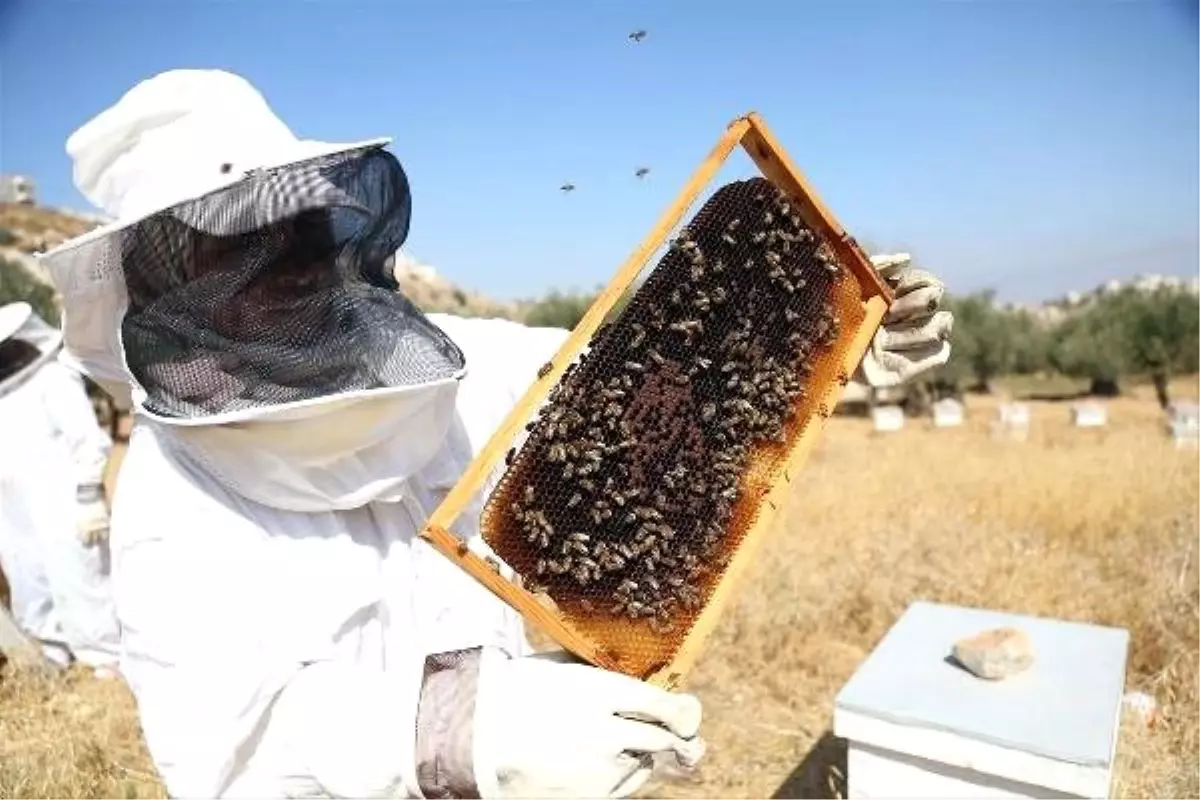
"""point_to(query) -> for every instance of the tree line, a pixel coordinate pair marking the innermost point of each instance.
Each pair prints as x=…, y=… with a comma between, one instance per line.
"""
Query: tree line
x=1105, y=340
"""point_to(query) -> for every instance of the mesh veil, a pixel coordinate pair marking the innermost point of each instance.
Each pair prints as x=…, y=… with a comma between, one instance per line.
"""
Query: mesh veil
x=278, y=289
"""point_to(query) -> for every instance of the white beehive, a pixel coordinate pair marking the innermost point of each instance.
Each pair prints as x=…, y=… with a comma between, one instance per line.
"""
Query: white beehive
x=1089, y=415
x=887, y=419
x=918, y=725
x=1012, y=421
x=1183, y=424
x=947, y=413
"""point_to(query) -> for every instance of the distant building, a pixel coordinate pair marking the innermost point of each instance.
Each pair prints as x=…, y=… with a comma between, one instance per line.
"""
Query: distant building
x=17, y=189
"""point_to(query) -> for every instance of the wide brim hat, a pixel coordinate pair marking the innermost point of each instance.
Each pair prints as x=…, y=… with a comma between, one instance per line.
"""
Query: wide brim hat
x=19, y=321
x=173, y=139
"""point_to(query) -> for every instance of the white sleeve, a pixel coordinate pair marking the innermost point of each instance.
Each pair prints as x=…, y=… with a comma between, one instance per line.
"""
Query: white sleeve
x=70, y=411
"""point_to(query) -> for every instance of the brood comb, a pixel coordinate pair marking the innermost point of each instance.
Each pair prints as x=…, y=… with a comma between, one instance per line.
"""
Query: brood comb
x=654, y=461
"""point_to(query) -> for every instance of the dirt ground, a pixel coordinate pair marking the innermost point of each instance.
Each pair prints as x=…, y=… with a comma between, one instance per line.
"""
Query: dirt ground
x=1089, y=525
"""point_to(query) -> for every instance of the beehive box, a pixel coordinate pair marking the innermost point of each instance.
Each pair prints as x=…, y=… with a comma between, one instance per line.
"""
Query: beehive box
x=643, y=473
x=947, y=413
x=1089, y=415
x=887, y=419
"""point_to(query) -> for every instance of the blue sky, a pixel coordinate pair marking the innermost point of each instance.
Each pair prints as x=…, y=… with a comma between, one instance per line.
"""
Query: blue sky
x=1031, y=146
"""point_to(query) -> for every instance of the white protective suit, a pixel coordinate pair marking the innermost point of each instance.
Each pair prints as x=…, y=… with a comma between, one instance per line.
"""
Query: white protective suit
x=52, y=446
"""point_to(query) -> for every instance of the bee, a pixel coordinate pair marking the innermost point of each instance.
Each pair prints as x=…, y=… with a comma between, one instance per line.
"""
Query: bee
x=725, y=237
x=574, y=500
x=758, y=238
x=508, y=457
x=634, y=366
x=639, y=335
x=544, y=370
x=493, y=563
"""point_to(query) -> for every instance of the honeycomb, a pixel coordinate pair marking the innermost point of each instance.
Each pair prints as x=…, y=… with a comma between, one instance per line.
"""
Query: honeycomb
x=649, y=463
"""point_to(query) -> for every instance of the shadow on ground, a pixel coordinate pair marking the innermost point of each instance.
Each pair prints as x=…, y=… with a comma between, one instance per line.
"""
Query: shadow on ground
x=821, y=773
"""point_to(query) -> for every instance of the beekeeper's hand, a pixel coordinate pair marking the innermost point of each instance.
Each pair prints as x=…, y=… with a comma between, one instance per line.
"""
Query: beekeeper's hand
x=91, y=515
x=545, y=727
x=915, y=334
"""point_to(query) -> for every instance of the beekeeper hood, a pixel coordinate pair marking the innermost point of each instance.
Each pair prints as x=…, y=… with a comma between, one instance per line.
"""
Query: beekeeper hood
x=20, y=325
x=245, y=293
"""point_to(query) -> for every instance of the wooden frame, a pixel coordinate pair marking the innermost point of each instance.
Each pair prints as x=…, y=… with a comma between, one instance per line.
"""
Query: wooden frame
x=756, y=139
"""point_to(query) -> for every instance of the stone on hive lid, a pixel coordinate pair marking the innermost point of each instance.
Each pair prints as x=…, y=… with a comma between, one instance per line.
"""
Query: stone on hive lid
x=995, y=654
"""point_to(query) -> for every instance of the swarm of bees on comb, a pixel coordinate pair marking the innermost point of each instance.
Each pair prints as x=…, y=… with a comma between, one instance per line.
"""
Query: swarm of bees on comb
x=626, y=500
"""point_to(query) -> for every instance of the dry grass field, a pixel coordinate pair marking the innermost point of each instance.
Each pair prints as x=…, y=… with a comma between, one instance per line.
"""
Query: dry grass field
x=1091, y=525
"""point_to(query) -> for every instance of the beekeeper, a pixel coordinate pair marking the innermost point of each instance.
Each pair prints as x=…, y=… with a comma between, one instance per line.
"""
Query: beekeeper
x=53, y=515
x=285, y=631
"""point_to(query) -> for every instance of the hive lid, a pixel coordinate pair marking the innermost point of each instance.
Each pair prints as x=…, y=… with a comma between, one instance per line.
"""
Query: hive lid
x=1064, y=707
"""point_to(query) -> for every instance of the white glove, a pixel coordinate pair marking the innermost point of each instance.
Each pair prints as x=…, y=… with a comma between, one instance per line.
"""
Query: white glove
x=545, y=727
x=914, y=336
x=91, y=515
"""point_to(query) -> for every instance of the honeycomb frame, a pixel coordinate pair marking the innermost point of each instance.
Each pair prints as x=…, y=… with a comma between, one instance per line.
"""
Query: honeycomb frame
x=602, y=646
